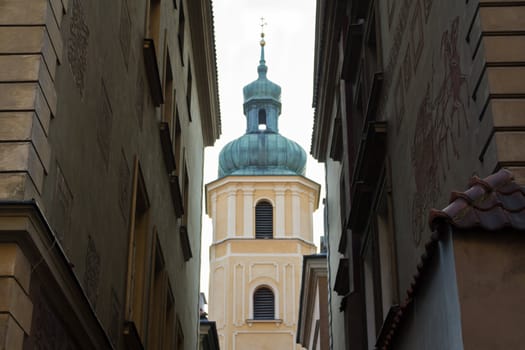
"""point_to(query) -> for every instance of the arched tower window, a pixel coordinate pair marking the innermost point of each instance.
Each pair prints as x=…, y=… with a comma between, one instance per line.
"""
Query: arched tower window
x=264, y=220
x=262, y=119
x=263, y=304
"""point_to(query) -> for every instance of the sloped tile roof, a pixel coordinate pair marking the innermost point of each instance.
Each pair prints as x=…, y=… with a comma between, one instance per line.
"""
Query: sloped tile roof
x=388, y=331
x=492, y=204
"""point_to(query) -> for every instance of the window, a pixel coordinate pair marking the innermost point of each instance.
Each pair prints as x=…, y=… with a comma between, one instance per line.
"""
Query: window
x=380, y=264
x=386, y=251
x=263, y=304
x=154, y=21
x=185, y=192
x=183, y=231
x=167, y=112
x=137, y=253
x=161, y=330
x=262, y=119
x=344, y=206
x=180, y=34
x=371, y=61
x=175, y=176
x=152, y=51
x=349, y=124
x=177, y=140
x=372, y=67
x=169, y=331
x=336, y=148
x=159, y=281
x=264, y=220
x=372, y=284
x=188, y=91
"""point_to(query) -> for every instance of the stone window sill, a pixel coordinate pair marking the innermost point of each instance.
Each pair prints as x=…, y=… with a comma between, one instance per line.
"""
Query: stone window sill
x=277, y=321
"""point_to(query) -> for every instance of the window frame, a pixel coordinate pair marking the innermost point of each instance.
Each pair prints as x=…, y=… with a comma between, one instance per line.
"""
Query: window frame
x=169, y=91
x=153, y=21
x=158, y=296
x=189, y=89
x=137, y=287
x=375, y=247
x=181, y=32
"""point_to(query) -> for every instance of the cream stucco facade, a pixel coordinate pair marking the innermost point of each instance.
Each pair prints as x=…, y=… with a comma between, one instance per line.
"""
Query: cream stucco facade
x=240, y=263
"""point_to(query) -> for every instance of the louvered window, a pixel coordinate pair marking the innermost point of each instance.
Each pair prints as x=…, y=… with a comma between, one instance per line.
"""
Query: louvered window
x=263, y=220
x=263, y=304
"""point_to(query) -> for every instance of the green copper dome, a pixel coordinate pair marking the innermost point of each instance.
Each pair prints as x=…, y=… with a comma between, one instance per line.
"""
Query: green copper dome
x=262, y=150
x=262, y=154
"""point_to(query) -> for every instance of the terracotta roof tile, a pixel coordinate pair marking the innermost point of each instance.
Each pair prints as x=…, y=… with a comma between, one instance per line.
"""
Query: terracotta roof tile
x=491, y=204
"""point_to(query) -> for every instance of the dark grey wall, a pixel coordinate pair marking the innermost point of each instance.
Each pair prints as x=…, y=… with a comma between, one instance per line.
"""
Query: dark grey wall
x=433, y=321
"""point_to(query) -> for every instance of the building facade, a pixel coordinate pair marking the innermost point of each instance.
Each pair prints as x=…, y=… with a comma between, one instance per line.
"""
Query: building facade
x=411, y=99
x=208, y=337
x=262, y=209
x=105, y=110
x=312, y=326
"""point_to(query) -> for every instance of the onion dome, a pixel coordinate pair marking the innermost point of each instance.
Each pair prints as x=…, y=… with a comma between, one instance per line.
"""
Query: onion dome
x=262, y=153
x=262, y=88
x=262, y=150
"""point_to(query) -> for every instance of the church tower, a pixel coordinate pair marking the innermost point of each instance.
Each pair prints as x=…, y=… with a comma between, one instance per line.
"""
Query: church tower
x=262, y=209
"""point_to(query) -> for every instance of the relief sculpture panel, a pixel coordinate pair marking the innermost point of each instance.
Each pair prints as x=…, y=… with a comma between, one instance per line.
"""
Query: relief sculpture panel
x=92, y=273
x=125, y=31
x=104, y=126
x=77, y=46
x=441, y=116
x=124, y=186
x=63, y=202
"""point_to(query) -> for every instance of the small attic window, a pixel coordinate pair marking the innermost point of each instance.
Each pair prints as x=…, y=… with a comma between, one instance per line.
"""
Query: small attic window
x=262, y=119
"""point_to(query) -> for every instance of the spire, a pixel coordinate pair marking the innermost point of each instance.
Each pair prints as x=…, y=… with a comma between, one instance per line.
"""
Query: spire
x=262, y=69
x=262, y=150
x=262, y=91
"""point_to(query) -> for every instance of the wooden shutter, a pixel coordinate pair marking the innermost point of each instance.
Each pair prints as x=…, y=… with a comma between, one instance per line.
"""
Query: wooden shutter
x=264, y=220
x=263, y=304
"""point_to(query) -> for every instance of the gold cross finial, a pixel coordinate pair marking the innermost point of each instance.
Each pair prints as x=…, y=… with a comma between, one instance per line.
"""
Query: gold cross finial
x=263, y=23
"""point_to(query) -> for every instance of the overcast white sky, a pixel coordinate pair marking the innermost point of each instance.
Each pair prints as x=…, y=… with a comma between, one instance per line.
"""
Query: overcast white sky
x=289, y=36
